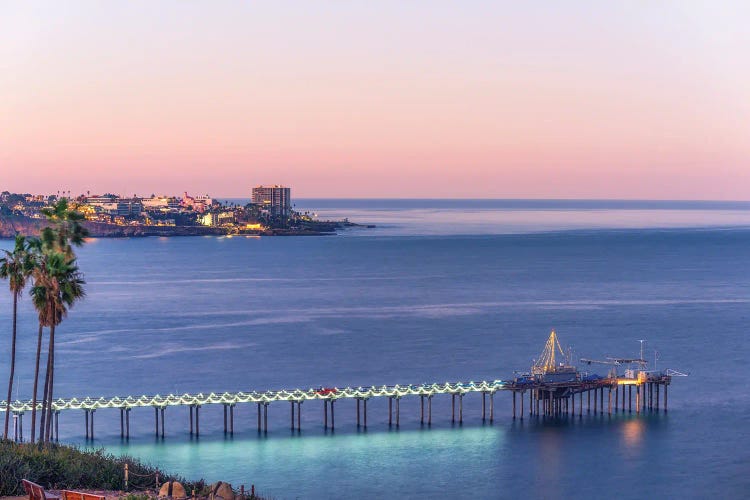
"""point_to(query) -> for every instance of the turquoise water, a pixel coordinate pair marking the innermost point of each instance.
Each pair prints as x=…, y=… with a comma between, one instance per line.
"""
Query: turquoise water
x=440, y=290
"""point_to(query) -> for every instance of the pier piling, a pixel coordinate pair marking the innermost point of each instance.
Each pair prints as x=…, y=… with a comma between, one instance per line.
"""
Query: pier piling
x=617, y=397
x=651, y=396
x=291, y=404
x=531, y=402
x=398, y=411
x=638, y=399
x=461, y=408
x=197, y=420
x=390, y=411
x=630, y=399
x=595, y=401
x=333, y=418
x=573, y=405
x=265, y=418
x=492, y=406
x=521, y=413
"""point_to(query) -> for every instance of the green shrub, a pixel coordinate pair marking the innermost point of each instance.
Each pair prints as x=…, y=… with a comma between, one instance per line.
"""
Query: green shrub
x=67, y=467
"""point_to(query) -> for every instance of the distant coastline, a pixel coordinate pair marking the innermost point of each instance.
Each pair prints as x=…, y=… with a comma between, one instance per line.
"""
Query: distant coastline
x=268, y=213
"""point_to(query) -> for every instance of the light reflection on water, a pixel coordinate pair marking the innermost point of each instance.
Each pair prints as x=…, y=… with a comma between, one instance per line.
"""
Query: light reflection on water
x=507, y=459
x=632, y=432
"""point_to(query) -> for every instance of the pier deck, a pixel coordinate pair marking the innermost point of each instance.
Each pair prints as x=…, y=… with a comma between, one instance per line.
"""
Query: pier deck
x=552, y=389
x=545, y=399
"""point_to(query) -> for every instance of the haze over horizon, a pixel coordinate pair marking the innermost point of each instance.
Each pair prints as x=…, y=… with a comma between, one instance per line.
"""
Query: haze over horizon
x=389, y=100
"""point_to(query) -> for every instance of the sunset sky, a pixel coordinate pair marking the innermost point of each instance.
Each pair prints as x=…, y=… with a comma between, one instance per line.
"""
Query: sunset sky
x=628, y=99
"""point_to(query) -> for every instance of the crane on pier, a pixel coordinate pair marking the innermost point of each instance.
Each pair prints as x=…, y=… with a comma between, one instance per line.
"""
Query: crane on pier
x=599, y=361
x=613, y=361
x=609, y=361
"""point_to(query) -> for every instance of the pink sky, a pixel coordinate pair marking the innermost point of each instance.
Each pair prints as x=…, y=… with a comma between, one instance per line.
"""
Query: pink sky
x=377, y=99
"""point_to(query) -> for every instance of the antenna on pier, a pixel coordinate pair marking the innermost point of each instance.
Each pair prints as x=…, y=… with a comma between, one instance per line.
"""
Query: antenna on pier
x=642, y=341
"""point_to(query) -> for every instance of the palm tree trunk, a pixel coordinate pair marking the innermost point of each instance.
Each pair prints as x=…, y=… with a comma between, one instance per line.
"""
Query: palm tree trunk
x=51, y=381
x=45, y=399
x=36, y=383
x=12, y=365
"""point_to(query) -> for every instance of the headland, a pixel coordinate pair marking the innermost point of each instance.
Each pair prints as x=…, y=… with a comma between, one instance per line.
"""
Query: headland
x=269, y=213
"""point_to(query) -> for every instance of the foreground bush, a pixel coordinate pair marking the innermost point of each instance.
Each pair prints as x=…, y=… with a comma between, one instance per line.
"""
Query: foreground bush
x=61, y=466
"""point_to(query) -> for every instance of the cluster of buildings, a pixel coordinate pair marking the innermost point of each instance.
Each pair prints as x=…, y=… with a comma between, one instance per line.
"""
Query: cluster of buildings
x=269, y=205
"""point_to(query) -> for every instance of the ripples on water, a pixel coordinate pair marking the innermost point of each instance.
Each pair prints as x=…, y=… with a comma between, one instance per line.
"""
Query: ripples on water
x=473, y=297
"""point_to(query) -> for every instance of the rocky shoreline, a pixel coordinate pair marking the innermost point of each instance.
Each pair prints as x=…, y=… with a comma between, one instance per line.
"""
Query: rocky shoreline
x=10, y=226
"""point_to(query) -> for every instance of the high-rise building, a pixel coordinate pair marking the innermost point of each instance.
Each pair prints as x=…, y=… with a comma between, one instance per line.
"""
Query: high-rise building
x=276, y=199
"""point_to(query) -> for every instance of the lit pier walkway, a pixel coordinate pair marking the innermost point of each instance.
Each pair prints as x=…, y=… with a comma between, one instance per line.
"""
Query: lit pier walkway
x=547, y=399
x=552, y=390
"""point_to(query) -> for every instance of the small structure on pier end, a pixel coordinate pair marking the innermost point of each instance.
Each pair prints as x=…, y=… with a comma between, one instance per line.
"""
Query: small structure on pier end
x=553, y=386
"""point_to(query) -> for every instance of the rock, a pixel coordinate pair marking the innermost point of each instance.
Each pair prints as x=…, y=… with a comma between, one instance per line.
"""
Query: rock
x=172, y=489
x=221, y=491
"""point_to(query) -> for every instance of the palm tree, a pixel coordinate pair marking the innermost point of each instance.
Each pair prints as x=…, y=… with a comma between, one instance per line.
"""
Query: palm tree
x=58, y=284
x=52, y=250
x=15, y=267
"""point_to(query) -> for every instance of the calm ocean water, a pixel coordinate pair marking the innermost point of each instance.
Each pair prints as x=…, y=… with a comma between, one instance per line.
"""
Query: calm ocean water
x=440, y=290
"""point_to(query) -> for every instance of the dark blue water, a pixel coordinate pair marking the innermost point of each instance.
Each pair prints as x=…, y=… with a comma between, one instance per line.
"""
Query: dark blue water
x=422, y=299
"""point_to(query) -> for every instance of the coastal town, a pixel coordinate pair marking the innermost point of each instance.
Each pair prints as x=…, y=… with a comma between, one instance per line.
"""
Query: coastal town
x=270, y=212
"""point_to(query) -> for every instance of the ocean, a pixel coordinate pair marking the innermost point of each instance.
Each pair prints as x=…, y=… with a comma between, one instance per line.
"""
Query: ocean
x=440, y=290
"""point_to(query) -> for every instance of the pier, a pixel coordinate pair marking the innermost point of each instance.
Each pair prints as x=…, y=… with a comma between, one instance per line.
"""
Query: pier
x=551, y=390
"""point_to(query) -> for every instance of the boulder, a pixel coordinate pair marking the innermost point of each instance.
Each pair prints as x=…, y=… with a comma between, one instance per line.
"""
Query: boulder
x=221, y=491
x=172, y=489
